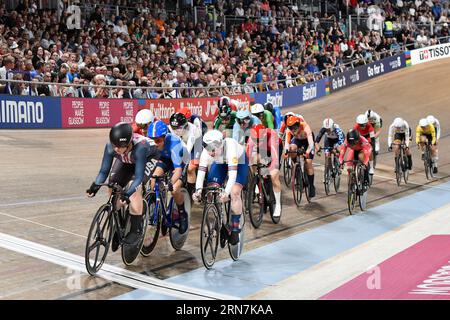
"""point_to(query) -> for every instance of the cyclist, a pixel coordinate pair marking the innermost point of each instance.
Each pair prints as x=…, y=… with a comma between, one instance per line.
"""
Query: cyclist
x=302, y=137
x=377, y=123
x=191, y=137
x=367, y=131
x=334, y=137
x=132, y=151
x=437, y=127
x=356, y=143
x=400, y=131
x=264, y=148
x=227, y=101
x=142, y=120
x=171, y=160
x=283, y=125
x=225, y=120
x=194, y=119
x=264, y=116
x=276, y=112
x=425, y=133
x=244, y=121
x=225, y=157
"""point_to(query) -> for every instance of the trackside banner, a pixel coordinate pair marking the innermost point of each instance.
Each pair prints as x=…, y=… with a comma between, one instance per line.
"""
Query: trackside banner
x=292, y=96
x=23, y=112
x=365, y=72
x=436, y=52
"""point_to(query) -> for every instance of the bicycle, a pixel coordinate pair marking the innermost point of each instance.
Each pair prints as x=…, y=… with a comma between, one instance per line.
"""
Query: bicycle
x=331, y=171
x=428, y=162
x=356, y=186
x=265, y=198
x=299, y=177
x=164, y=216
x=401, y=164
x=216, y=227
x=108, y=221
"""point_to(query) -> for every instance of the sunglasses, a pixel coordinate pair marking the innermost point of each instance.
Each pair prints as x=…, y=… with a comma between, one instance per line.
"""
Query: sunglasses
x=294, y=127
x=158, y=140
x=242, y=121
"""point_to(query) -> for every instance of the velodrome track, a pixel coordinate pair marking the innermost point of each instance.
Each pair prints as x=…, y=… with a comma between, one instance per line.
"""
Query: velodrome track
x=45, y=216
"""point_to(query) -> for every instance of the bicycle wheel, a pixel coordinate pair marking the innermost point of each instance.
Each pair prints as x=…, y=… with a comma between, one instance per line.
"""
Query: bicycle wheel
x=153, y=225
x=351, y=193
x=327, y=177
x=430, y=164
x=426, y=165
x=99, y=239
x=255, y=202
x=398, y=170
x=337, y=175
x=297, y=183
x=131, y=252
x=306, y=186
x=406, y=170
x=209, y=235
x=362, y=194
x=271, y=200
x=287, y=171
x=236, y=250
x=177, y=240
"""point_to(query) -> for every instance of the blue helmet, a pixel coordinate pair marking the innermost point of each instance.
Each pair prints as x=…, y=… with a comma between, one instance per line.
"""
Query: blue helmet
x=157, y=129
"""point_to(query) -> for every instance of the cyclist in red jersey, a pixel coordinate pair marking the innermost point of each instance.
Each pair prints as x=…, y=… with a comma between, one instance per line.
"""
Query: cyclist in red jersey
x=356, y=143
x=366, y=130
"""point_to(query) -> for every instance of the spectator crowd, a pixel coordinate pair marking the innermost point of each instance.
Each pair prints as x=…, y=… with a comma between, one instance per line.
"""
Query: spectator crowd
x=152, y=52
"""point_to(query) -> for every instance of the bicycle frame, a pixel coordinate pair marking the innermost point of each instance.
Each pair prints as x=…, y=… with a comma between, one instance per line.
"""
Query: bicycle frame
x=160, y=201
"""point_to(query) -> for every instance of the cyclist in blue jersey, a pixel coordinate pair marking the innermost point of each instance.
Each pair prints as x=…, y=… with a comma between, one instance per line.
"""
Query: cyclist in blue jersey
x=244, y=122
x=334, y=137
x=171, y=159
x=132, y=152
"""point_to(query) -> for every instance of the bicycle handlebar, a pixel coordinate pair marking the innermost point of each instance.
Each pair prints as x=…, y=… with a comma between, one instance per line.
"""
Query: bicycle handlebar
x=114, y=186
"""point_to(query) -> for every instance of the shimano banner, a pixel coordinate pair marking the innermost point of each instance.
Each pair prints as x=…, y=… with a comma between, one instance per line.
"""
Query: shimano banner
x=22, y=112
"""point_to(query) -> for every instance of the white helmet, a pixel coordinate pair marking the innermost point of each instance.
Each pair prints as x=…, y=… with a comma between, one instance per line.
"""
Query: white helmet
x=257, y=108
x=213, y=137
x=423, y=122
x=362, y=119
x=431, y=119
x=144, y=116
x=370, y=114
x=328, y=123
x=398, y=123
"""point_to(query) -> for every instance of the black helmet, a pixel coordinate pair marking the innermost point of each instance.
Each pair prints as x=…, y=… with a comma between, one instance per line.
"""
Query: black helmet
x=353, y=136
x=178, y=120
x=121, y=134
x=268, y=106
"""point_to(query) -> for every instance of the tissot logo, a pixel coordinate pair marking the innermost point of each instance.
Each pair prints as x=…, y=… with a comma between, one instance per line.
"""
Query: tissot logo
x=423, y=55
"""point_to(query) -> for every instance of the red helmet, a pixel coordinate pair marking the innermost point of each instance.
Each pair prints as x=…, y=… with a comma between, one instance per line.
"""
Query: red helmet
x=258, y=132
x=186, y=111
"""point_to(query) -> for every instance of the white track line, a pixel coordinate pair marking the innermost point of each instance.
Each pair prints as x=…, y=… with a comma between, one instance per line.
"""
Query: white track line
x=42, y=225
x=108, y=272
x=40, y=201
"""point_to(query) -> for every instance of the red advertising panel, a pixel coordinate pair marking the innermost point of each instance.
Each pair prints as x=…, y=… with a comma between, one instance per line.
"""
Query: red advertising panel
x=95, y=113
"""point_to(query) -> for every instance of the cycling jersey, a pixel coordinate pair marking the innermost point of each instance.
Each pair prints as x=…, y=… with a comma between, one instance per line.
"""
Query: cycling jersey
x=378, y=123
x=191, y=138
x=218, y=122
x=242, y=135
x=429, y=131
x=367, y=132
x=267, y=119
x=283, y=125
x=267, y=148
x=233, y=161
x=172, y=154
x=140, y=153
x=395, y=133
x=304, y=133
x=277, y=116
x=362, y=145
x=336, y=135
x=199, y=123
x=437, y=128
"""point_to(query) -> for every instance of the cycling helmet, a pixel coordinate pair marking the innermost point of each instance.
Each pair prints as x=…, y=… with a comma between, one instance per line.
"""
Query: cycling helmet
x=224, y=111
x=258, y=132
x=186, y=111
x=431, y=119
x=157, y=129
x=362, y=119
x=178, y=120
x=213, y=139
x=257, y=108
x=353, y=137
x=328, y=123
x=242, y=114
x=224, y=101
x=292, y=120
x=371, y=115
x=144, y=116
x=398, y=122
x=120, y=134
x=423, y=122
x=268, y=106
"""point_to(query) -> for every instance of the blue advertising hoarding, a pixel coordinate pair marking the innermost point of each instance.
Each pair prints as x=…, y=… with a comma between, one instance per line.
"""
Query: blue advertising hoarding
x=24, y=112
